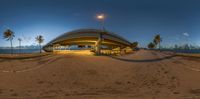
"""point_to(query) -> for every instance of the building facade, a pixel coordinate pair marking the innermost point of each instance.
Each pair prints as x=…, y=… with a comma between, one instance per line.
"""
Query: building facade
x=89, y=40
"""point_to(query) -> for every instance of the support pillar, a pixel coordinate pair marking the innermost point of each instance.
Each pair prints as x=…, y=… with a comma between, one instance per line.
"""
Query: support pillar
x=98, y=46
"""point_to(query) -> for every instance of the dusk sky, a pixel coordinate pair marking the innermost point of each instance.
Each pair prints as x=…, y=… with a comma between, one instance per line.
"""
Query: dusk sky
x=177, y=21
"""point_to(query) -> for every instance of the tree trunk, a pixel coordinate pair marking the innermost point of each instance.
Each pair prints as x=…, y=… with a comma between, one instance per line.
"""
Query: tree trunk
x=11, y=46
x=19, y=47
x=159, y=46
x=40, y=49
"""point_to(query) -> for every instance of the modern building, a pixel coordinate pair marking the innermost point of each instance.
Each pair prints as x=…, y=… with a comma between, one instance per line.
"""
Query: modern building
x=89, y=41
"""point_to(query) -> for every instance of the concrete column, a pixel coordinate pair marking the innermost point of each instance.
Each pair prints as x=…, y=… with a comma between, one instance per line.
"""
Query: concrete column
x=98, y=44
x=53, y=47
x=98, y=47
x=66, y=47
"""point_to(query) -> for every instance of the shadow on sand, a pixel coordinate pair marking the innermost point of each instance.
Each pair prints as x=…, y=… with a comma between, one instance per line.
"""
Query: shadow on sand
x=146, y=60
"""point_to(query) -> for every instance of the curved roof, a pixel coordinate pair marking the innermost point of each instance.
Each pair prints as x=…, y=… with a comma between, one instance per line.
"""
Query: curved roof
x=89, y=33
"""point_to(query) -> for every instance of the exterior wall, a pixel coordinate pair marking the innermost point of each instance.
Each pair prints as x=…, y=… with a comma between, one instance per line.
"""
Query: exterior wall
x=116, y=51
x=79, y=52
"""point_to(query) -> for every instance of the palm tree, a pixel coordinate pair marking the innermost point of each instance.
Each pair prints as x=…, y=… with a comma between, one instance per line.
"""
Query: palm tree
x=134, y=45
x=20, y=40
x=9, y=35
x=151, y=45
x=40, y=40
x=157, y=40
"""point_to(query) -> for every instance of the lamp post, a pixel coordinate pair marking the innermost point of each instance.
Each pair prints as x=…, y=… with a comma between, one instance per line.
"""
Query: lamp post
x=101, y=18
x=20, y=40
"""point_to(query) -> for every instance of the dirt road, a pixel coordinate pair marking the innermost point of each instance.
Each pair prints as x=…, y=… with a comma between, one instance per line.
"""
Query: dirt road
x=142, y=75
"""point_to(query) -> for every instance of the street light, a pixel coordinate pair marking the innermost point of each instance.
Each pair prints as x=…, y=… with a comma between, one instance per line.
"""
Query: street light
x=101, y=18
x=20, y=40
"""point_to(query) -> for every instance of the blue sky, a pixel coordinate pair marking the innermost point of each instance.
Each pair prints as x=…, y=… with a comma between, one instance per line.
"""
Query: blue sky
x=177, y=21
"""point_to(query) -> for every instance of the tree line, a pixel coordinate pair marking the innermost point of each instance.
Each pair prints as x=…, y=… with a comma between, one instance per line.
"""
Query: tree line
x=9, y=35
x=156, y=42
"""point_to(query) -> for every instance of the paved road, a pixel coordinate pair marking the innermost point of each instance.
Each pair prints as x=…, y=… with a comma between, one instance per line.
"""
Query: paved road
x=142, y=75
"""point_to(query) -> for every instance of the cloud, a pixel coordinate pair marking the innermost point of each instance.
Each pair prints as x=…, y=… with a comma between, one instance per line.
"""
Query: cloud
x=186, y=34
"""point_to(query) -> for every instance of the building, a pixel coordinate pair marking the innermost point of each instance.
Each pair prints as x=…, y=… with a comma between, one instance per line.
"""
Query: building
x=89, y=41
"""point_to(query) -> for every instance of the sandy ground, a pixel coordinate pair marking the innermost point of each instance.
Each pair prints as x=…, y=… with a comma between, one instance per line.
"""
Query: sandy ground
x=22, y=56
x=142, y=75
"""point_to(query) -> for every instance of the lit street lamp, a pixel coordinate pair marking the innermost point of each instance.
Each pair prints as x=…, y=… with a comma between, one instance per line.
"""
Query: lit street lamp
x=101, y=18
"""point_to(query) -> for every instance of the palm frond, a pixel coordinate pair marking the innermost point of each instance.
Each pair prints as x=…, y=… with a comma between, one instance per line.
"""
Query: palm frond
x=8, y=35
x=39, y=39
